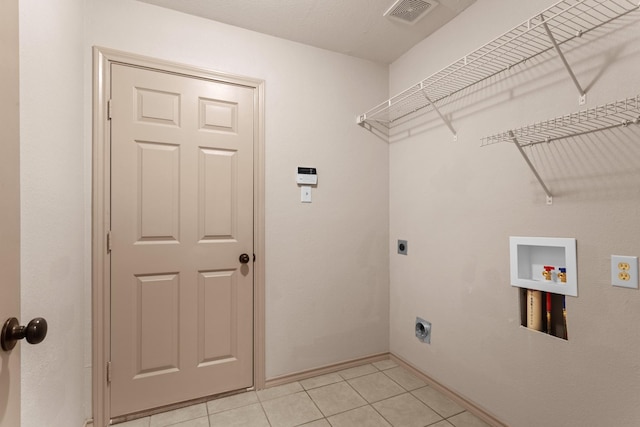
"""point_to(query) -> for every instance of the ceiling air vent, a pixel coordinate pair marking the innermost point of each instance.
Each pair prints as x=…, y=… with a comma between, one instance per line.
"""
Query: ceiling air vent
x=410, y=11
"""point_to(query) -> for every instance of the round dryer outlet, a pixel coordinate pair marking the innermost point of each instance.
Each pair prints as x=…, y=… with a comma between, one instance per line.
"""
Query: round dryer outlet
x=423, y=330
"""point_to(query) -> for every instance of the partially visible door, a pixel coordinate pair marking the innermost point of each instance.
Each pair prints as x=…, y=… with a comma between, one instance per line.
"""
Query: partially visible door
x=9, y=207
x=181, y=221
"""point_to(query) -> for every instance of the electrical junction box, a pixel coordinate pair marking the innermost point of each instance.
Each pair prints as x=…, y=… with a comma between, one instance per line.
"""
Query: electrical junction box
x=307, y=176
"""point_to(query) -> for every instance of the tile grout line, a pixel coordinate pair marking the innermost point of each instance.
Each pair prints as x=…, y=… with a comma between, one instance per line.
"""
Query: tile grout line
x=351, y=387
x=263, y=411
x=343, y=380
x=371, y=404
x=314, y=404
x=443, y=417
x=363, y=398
x=367, y=403
x=406, y=391
x=427, y=405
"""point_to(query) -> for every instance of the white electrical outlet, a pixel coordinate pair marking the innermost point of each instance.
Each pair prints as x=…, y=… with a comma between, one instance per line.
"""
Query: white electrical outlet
x=624, y=271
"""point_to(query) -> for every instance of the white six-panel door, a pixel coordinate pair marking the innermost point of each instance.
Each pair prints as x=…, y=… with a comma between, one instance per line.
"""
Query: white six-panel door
x=181, y=216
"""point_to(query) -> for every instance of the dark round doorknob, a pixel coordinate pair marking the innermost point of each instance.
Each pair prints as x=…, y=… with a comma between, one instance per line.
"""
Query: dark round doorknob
x=34, y=332
x=244, y=258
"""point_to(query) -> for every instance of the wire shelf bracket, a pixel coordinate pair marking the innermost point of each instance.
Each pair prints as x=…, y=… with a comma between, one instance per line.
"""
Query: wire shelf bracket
x=546, y=31
x=583, y=95
x=444, y=119
x=533, y=168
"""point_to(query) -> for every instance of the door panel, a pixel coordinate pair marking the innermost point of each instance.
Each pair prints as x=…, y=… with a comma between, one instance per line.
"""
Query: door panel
x=216, y=216
x=9, y=207
x=217, y=314
x=182, y=213
x=156, y=309
x=158, y=192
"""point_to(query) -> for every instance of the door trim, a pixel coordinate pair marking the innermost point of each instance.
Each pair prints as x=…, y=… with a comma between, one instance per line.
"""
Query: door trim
x=10, y=387
x=101, y=210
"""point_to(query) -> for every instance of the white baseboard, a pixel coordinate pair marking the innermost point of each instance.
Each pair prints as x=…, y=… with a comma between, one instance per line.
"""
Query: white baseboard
x=310, y=373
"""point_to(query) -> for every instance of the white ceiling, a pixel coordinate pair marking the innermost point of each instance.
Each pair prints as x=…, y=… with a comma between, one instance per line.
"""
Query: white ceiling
x=353, y=27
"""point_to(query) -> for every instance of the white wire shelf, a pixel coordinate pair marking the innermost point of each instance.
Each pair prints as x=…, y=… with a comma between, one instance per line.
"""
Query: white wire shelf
x=563, y=21
x=614, y=114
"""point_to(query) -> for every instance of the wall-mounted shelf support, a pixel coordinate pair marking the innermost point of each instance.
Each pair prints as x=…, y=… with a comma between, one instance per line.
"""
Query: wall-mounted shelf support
x=444, y=119
x=533, y=168
x=583, y=96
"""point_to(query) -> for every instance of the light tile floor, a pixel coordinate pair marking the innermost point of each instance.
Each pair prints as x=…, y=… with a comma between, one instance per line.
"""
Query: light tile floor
x=379, y=394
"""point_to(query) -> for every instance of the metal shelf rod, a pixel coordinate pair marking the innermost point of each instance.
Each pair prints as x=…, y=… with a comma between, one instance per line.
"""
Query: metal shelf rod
x=444, y=119
x=533, y=169
x=564, y=61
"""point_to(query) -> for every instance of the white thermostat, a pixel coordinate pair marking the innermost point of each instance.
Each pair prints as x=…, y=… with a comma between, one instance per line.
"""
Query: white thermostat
x=307, y=176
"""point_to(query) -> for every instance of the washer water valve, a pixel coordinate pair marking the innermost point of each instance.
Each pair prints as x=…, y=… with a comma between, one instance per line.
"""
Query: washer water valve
x=547, y=272
x=423, y=330
x=562, y=275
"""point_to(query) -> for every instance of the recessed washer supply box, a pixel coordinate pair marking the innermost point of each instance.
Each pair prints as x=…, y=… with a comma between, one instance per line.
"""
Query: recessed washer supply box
x=530, y=255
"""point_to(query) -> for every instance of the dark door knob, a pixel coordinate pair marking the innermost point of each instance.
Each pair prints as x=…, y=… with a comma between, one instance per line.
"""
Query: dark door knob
x=244, y=258
x=34, y=332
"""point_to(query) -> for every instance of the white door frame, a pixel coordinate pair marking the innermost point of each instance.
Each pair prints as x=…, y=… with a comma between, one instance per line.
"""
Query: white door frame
x=101, y=211
x=10, y=212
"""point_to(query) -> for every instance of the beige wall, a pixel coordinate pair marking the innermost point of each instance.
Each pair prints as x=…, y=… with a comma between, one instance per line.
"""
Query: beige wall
x=457, y=204
x=326, y=268
x=54, y=180
x=327, y=278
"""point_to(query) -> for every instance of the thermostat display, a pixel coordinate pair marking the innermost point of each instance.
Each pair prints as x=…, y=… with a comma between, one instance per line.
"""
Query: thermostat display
x=307, y=176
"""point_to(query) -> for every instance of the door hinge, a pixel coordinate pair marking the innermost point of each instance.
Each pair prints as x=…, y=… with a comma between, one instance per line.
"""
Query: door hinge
x=108, y=372
x=109, y=241
x=109, y=110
